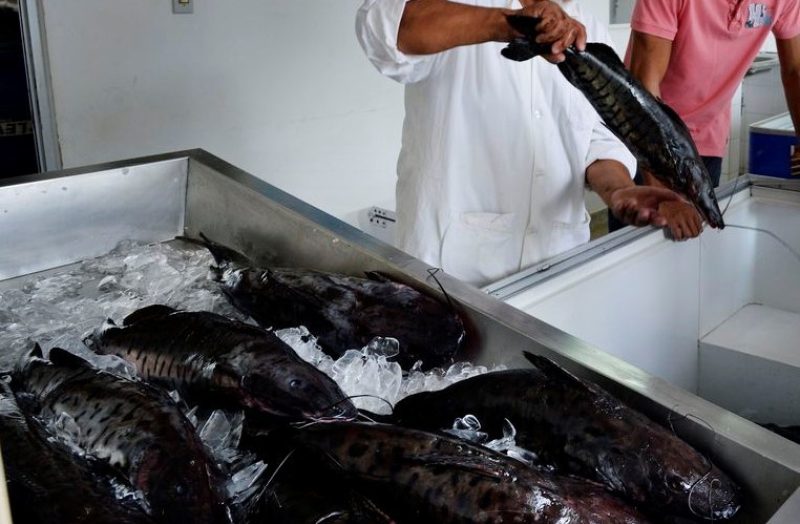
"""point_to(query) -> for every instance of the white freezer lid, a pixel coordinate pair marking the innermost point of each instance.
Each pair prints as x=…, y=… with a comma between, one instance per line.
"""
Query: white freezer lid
x=775, y=125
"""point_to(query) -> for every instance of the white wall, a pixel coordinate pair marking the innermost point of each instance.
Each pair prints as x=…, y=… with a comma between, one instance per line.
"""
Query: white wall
x=278, y=87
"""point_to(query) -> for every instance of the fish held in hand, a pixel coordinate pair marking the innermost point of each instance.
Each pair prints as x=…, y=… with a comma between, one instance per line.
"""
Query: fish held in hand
x=203, y=354
x=653, y=131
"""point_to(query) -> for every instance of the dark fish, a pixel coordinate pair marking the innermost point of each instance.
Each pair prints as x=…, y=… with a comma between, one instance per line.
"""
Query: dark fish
x=653, y=132
x=343, y=312
x=303, y=492
x=40, y=468
x=131, y=426
x=581, y=429
x=423, y=477
x=207, y=355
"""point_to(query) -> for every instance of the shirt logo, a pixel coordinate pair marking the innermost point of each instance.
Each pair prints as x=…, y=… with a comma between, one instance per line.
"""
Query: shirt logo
x=758, y=16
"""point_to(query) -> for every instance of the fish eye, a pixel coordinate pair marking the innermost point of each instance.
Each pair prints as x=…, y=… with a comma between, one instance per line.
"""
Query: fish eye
x=674, y=484
x=295, y=383
x=180, y=489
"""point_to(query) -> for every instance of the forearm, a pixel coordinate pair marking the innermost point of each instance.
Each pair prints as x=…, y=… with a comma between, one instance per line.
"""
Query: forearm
x=791, y=87
x=650, y=57
x=789, y=56
x=606, y=176
x=432, y=26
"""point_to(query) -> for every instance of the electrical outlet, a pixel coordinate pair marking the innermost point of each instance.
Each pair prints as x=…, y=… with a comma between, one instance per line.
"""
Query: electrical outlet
x=182, y=6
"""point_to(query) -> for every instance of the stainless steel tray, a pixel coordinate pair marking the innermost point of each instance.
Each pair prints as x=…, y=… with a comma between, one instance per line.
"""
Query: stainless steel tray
x=63, y=217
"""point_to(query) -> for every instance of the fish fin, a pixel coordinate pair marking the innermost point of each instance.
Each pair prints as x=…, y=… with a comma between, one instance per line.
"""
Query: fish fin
x=62, y=357
x=525, y=48
x=224, y=256
x=36, y=352
x=608, y=56
x=520, y=50
x=148, y=313
x=552, y=370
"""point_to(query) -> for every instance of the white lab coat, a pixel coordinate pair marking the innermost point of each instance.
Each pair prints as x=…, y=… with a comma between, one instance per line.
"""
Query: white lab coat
x=491, y=173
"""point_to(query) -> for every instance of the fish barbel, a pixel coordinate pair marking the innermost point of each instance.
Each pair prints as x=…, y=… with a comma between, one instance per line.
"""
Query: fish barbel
x=579, y=428
x=653, y=131
x=208, y=355
x=424, y=477
x=343, y=312
x=134, y=428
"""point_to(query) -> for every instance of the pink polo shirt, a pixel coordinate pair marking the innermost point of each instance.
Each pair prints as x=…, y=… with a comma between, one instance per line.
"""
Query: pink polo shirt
x=713, y=44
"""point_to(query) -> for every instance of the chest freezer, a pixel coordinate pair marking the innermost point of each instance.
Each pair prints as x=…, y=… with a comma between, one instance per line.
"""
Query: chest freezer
x=718, y=316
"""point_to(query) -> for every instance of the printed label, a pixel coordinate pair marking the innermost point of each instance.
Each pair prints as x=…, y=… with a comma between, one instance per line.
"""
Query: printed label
x=758, y=16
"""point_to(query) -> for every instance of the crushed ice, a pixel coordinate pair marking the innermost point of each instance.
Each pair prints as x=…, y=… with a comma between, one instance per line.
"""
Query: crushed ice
x=57, y=308
x=468, y=428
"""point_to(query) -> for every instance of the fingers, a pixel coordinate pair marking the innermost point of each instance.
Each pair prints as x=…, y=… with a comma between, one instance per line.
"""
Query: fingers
x=556, y=28
x=683, y=221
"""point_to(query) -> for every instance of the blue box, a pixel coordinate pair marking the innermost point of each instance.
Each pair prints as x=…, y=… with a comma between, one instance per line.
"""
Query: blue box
x=772, y=143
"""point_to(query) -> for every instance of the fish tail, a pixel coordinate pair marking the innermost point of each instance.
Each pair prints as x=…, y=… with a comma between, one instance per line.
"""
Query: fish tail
x=225, y=257
x=525, y=47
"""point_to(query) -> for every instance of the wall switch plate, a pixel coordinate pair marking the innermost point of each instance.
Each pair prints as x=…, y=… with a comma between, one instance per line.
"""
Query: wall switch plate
x=182, y=6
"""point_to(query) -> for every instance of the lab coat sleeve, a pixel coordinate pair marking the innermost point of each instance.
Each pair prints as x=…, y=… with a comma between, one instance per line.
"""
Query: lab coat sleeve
x=605, y=146
x=377, y=25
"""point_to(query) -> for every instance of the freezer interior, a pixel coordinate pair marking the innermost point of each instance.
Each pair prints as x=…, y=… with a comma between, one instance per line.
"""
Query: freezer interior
x=718, y=316
x=54, y=221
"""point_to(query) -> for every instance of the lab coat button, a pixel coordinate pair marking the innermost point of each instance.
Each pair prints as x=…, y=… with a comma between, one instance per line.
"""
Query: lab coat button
x=537, y=114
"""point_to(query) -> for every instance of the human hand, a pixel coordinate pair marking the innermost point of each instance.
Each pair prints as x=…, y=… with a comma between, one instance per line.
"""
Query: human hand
x=555, y=28
x=639, y=205
x=683, y=220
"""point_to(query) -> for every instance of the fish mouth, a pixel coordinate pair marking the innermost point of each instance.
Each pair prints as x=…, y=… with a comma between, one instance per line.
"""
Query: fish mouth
x=342, y=410
x=714, y=499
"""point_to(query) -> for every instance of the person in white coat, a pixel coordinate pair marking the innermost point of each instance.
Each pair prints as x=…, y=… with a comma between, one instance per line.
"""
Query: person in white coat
x=495, y=154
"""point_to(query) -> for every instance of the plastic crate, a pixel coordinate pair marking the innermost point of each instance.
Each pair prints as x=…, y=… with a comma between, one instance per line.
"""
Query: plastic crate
x=772, y=143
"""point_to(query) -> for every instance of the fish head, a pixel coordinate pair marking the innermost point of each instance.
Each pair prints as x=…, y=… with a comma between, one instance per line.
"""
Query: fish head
x=181, y=486
x=700, y=190
x=701, y=493
x=656, y=468
x=290, y=387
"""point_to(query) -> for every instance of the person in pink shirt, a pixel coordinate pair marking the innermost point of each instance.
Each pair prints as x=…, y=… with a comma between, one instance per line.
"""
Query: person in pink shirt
x=693, y=54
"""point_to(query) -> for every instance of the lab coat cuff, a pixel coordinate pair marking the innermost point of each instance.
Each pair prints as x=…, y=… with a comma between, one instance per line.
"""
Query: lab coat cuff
x=378, y=25
x=622, y=156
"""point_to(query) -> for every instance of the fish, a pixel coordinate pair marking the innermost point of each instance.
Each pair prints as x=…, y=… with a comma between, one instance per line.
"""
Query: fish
x=130, y=425
x=39, y=467
x=205, y=355
x=418, y=476
x=651, y=130
x=343, y=312
x=296, y=497
x=577, y=427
